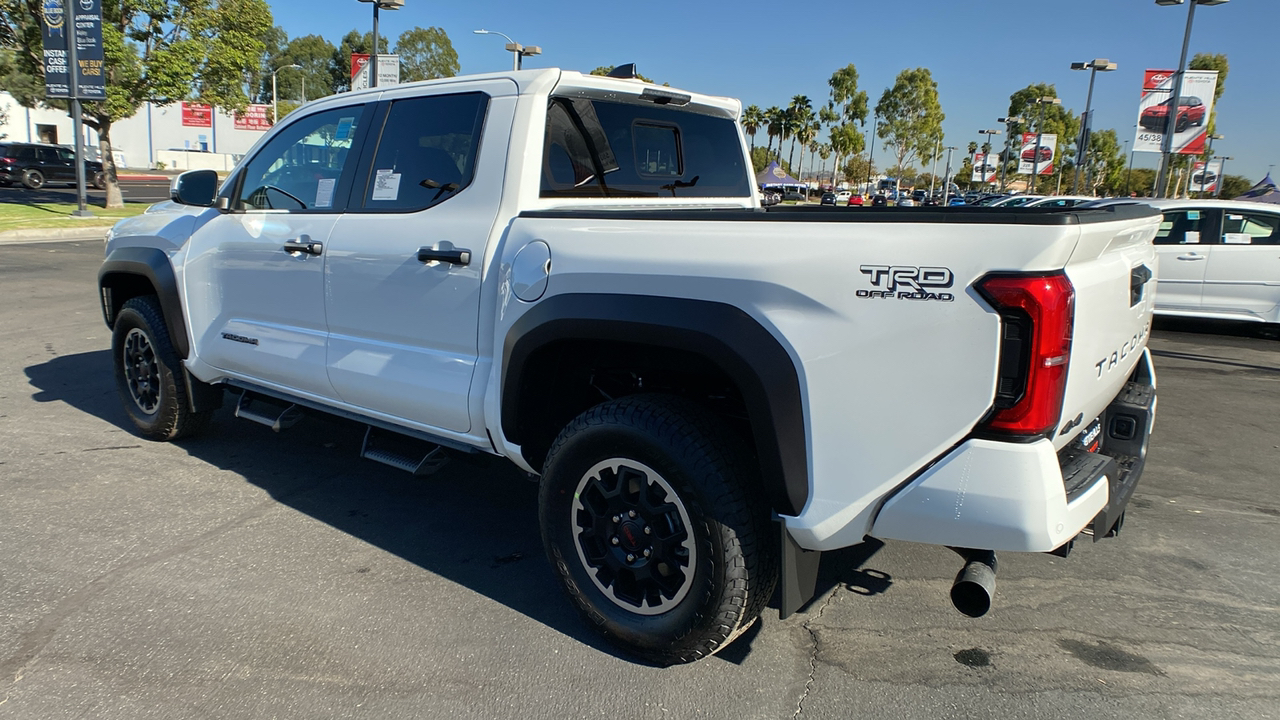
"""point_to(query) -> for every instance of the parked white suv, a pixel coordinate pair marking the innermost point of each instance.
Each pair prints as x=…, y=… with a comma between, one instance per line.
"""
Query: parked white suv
x=574, y=272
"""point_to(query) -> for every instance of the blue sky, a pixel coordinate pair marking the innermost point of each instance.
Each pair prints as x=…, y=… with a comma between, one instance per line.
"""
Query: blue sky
x=979, y=51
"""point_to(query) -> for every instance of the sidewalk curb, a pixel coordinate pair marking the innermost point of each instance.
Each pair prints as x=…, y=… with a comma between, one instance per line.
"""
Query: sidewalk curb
x=36, y=235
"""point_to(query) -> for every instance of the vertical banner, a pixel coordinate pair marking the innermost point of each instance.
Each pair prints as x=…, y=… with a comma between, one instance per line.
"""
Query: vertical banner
x=1191, y=121
x=1205, y=179
x=388, y=70
x=62, y=20
x=1029, y=163
x=984, y=168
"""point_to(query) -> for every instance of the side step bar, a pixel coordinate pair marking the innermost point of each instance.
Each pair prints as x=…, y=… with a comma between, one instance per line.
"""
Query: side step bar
x=262, y=411
x=415, y=456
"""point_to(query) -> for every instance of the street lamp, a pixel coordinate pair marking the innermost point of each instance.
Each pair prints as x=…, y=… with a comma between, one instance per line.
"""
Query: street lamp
x=1175, y=99
x=987, y=152
x=373, y=58
x=1004, y=160
x=871, y=154
x=1035, y=158
x=946, y=177
x=1208, y=156
x=513, y=47
x=1223, y=179
x=274, y=108
x=1130, y=170
x=1086, y=122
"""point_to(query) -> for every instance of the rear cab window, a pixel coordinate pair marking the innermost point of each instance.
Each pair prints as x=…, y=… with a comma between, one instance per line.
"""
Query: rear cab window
x=594, y=148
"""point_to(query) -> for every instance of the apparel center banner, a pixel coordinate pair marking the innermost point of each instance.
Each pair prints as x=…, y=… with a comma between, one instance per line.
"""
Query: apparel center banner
x=1191, y=115
x=1028, y=162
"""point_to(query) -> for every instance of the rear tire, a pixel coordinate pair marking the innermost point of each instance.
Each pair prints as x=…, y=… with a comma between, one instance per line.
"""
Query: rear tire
x=652, y=520
x=33, y=179
x=99, y=181
x=149, y=374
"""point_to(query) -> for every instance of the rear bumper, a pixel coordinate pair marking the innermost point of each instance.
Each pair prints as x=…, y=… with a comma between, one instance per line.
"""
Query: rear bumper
x=1027, y=497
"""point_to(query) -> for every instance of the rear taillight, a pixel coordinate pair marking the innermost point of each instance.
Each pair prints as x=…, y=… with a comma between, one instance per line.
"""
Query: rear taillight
x=1037, y=313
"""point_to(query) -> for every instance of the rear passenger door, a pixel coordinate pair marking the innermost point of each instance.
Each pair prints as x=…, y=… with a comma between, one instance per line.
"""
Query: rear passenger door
x=1184, y=243
x=405, y=262
x=1243, y=274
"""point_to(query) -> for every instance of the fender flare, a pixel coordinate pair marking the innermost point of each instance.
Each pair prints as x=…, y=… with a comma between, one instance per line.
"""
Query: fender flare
x=151, y=264
x=734, y=341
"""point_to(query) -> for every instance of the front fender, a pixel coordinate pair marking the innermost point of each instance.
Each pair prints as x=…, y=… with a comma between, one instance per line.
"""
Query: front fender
x=127, y=272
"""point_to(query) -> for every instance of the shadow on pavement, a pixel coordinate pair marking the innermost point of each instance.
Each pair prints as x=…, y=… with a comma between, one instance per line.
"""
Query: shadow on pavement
x=474, y=523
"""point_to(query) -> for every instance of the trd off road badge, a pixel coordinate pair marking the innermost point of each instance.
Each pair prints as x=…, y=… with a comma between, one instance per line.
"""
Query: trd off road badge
x=906, y=282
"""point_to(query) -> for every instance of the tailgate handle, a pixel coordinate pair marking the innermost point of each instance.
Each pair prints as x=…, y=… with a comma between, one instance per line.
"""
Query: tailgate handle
x=1138, y=279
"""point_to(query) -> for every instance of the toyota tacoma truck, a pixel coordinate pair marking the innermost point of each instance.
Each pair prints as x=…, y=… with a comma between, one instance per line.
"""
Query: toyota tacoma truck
x=575, y=273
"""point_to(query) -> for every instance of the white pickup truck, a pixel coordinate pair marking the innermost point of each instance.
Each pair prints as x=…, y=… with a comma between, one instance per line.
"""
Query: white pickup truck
x=575, y=273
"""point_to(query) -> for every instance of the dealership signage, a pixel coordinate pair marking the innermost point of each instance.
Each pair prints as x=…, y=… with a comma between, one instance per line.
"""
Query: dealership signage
x=388, y=70
x=1205, y=180
x=196, y=115
x=60, y=21
x=984, y=167
x=1191, y=122
x=1028, y=163
x=254, y=117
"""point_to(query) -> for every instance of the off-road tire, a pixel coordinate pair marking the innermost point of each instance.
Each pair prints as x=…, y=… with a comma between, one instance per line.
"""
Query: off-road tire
x=160, y=410
x=733, y=566
x=32, y=179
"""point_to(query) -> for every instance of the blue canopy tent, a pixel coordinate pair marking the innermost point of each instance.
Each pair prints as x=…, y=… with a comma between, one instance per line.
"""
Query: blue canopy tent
x=775, y=176
x=1265, y=191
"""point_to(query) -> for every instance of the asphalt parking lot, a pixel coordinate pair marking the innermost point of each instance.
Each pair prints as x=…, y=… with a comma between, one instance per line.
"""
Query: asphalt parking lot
x=245, y=574
x=146, y=189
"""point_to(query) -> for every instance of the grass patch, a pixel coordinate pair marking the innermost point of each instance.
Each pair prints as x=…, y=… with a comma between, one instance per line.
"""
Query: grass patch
x=23, y=216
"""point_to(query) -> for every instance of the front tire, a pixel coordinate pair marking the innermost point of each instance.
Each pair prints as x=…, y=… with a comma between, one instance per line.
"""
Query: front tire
x=149, y=374
x=99, y=181
x=654, y=524
x=33, y=179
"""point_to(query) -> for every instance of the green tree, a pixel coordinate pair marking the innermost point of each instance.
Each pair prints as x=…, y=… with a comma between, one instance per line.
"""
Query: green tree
x=353, y=42
x=160, y=51
x=752, y=121
x=1044, y=118
x=910, y=116
x=845, y=95
x=761, y=157
x=799, y=115
x=1141, y=181
x=1234, y=186
x=1208, y=61
x=858, y=169
x=314, y=54
x=1106, y=166
x=426, y=54
x=775, y=118
x=846, y=141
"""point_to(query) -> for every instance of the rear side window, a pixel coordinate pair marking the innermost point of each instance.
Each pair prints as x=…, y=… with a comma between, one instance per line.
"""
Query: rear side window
x=594, y=148
x=1250, y=229
x=427, y=152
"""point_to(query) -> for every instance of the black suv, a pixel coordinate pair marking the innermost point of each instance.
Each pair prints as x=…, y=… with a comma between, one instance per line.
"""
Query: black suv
x=36, y=164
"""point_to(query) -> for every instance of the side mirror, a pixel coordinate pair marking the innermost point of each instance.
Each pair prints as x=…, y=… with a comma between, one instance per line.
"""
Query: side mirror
x=195, y=187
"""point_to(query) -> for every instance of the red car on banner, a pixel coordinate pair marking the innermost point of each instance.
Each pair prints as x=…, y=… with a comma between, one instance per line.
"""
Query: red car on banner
x=1190, y=112
x=1046, y=153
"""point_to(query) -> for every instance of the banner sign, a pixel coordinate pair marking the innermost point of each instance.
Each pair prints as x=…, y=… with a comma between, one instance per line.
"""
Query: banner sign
x=196, y=115
x=1028, y=162
x=83, y=20
x=1191, y=121
x=254, y=117
x=984, y=168
x=388, y=70
x=1205, y=180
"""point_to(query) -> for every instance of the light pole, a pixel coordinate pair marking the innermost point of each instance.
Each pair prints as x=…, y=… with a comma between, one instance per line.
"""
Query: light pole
x=1004, y=159
x=986, y=154
x=1208, y=157
x=515, y=48
x=1223, y=179
x=1175, y=99
x=274, y=105
x=871, y=154
x=1035, y=158
x=946, y=176
x=1130, y=170
x=373, y=57
x=1086, y=122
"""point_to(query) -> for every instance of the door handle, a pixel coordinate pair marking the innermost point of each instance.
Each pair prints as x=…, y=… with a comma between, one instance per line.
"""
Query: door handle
x=1192, y=256
x=453, y=257
x=303, y=245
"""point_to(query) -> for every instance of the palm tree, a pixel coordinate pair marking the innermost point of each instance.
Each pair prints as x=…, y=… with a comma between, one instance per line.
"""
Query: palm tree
x=752, y=119
x=800, y=113
x=824, y=152
x=775, y=118
x=805, y=133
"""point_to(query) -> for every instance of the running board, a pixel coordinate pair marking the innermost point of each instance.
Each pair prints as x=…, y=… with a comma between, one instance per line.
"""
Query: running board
x=265, y=413
x=403, y=453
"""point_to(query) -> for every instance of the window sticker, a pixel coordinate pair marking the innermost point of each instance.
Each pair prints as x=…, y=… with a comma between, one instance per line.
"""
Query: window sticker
x=1192, y=237
x=344, y=128
x=1234, y=217
x=324, y=192
x=1193, y=214
x=386, y=185
x=1235, y=238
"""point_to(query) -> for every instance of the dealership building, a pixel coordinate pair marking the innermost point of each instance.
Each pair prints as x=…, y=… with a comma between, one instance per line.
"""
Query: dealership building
x=181, y=135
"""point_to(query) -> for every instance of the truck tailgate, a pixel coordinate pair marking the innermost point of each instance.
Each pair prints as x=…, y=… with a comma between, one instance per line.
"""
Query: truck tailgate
x=1113, y=272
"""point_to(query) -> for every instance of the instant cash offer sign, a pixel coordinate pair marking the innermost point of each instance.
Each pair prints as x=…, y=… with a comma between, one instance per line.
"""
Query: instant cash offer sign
x=63, y=21
x=1190, y=125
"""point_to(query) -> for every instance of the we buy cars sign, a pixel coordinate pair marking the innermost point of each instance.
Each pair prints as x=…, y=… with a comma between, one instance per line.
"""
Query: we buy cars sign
x=1027, y=160
x=1191, y=122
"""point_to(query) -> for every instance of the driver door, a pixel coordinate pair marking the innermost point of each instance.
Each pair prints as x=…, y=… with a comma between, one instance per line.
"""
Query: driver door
x=255, y=274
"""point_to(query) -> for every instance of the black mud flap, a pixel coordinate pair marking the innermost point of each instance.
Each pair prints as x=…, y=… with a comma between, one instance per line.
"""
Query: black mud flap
x=799, y=573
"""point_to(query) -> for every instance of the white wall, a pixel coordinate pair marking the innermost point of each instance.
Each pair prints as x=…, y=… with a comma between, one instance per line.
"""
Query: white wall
x=139, y=139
